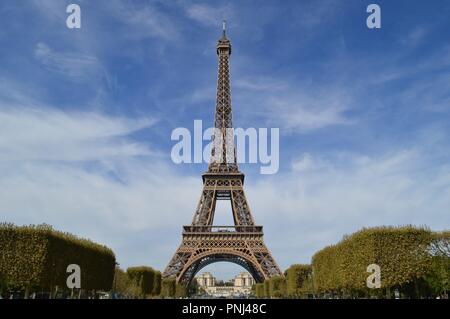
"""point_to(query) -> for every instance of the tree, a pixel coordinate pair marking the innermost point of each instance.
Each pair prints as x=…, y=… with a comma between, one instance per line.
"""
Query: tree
x=299, y=280
x=143, y=278
x=121, y=282
x=259, y=290
x=266, y=287
x=36, y=259
x=126, y=287
x=181, y=291
x=402, y=253
x=3, y=286
x=439, y=276
x=157, y=284
x=277, y=287
x=168, y=287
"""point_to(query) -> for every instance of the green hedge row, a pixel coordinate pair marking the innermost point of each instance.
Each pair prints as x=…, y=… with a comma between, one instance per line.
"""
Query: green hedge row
x=137, y=282
x=274, y=287
x=38, y=256
x=299, y=281
x=401, y=252
x=413, y=261
x=146, y=280
x=259, y=290
x=168, y=287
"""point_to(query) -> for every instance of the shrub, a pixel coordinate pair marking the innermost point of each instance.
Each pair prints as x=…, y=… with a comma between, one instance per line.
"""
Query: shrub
x=299, y=280
x=259, y=290
x=401, y=252
x=143, y=278
x=168, y=287
x=38, y=256
x=277, y=287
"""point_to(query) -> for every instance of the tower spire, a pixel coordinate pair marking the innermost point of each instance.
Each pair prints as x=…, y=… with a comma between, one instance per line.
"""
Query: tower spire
x=223, y=153
x=224, y=28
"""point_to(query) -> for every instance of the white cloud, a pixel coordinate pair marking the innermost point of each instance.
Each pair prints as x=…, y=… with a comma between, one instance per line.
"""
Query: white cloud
x=77, y=66
x=125, y=195
x=124, y=200
x=120, y=203
x=83, y=173
x=415, y=36
x=307, y=163
x=49, y=134
x=294, y=108
x=302, y=113
x=261, y=84
x=209, y=15
x=323, y=198
x=143, y=20
x=52, y=9
x=430, y=93
x=312, y=14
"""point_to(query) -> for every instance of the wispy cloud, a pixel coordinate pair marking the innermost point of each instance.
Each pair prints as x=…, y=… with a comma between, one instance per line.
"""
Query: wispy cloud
x=49, y=134
x=106, y=201
x=52, y=9
x=324, y=197
x=313, y=13
x=430, y=93
x=303, y=113
x=76, y=66
x=295, y=108
x=143, y=20
x=209, y=15
x=415, y=36
x=82, y=172
x=261, y=84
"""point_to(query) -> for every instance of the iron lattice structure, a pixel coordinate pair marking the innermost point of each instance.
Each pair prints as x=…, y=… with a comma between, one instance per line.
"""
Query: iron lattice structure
x=202, y=243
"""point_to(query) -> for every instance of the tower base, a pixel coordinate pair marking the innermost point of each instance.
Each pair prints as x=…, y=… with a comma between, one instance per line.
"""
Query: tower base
x=204, y=245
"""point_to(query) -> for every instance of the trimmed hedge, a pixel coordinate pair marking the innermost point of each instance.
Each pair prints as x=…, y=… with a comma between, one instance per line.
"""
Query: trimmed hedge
x=259, y=290
x=413, y=260
x=136, y=282
x=439, y=276
x=266, y=288
x=401, y=252
x=157, y=284
x=38, y=256
x=168, y=287
x=181, y=291
x=299, y=280
x=143, y=278
x=277, y=287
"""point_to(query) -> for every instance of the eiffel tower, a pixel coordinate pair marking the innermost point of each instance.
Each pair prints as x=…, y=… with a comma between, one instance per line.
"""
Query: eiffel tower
x=202, y=243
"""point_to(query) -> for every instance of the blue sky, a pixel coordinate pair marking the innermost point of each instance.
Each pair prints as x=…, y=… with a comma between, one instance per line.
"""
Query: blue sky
x=86, y=117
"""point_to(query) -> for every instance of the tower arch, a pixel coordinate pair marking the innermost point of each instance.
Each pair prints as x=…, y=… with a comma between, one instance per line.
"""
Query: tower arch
x=208, y=258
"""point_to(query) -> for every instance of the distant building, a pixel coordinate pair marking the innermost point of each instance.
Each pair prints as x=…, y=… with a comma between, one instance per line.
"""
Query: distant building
x=243, y=283
x=244, y=280
x=206, y=280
